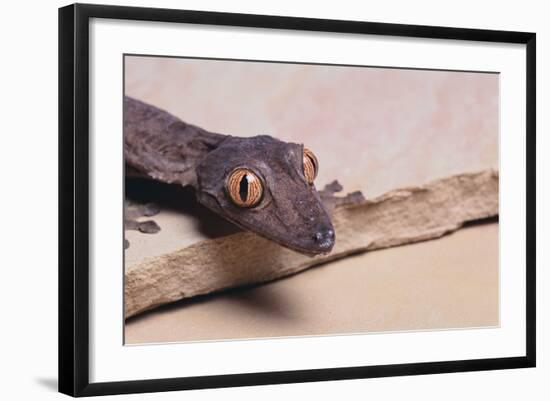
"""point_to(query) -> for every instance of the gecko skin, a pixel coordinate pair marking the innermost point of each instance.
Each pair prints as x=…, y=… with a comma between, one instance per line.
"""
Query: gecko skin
x=287, y=208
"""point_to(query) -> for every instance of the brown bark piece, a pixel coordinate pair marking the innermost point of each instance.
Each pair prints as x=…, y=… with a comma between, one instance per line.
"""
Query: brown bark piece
x=398, y=217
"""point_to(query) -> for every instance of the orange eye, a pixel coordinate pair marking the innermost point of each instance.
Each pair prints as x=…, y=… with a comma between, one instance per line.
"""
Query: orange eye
x=244, y=187
x=311, y=165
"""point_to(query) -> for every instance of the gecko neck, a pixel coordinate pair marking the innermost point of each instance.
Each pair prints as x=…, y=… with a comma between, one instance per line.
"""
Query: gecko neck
x=160, y=146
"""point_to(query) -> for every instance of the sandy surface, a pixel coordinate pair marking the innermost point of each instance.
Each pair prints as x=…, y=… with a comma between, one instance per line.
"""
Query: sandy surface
x=446, y=283
x=373, y=129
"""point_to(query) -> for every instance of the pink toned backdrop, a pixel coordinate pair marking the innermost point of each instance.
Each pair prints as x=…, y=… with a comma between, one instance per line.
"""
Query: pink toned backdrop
x=374, y=129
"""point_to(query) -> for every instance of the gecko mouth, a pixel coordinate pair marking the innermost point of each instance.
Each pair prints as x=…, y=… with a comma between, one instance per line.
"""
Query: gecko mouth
x=322, y=248
x=318, y=246
x=320, y=243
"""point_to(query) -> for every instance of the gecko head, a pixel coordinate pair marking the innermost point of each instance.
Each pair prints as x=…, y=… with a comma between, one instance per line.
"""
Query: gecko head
x=265, y=185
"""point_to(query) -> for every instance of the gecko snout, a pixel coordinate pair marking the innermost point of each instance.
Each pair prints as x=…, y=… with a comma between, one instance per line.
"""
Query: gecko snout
x=324, y=239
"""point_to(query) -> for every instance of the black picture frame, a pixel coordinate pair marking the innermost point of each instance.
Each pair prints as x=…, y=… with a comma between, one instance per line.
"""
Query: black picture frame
x=74, y=202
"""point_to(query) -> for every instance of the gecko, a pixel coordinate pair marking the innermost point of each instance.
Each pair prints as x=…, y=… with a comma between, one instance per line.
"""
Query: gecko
x=260, y=183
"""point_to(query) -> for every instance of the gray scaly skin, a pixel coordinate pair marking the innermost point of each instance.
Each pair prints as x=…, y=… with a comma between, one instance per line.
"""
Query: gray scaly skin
x=161, y=147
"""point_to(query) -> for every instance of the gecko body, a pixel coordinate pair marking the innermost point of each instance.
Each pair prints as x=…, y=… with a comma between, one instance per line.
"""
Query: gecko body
x=259, y=183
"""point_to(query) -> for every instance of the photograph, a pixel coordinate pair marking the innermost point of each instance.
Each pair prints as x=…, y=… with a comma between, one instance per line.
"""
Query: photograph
x=270, y=199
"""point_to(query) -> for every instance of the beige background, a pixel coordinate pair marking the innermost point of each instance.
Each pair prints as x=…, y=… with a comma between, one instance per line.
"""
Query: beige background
x=373, y=129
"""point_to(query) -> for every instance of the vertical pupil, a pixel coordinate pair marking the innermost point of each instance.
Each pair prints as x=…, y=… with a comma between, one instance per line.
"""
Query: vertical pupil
x=243, y=188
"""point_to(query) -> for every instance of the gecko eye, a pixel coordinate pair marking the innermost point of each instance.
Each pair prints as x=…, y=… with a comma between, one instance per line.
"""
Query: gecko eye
x=311, y=166
x=244, y=187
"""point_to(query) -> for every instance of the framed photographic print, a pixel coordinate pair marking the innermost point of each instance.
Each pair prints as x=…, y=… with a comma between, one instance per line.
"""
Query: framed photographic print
x=251, y=199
